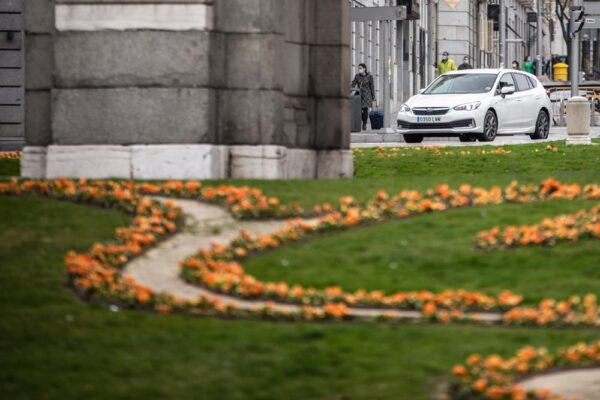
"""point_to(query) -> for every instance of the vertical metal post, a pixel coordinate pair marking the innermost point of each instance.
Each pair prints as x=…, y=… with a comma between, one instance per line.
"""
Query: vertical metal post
x=502, y=36
x=574, y=62
x=369, y=36
x=540, y=38
x=400, y=52
x=432, y=28
x=385, y=63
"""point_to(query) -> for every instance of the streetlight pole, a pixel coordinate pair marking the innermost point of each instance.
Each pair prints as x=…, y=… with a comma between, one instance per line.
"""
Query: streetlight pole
x=540, y=38
x=574, y=61
x=385, y=63
x=502, y=36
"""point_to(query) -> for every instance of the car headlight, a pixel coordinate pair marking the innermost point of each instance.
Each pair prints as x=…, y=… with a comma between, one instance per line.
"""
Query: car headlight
x=468, y=106
x=404, y=108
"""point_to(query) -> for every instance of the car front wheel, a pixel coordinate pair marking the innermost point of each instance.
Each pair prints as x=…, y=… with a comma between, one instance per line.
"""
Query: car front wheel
x=413, y=138
x=490, y=127
x=542, y=127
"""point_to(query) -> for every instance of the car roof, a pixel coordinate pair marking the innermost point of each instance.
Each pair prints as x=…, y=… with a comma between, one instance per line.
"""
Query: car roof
x=494, y=71
x=486, y=71
x=476, y=71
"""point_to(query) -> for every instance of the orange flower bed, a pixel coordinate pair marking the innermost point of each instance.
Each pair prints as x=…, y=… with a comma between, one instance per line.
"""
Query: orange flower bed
x=395, y=152
x=10, y=155
x=570, y=227
x=242, y=201
x=494, y=377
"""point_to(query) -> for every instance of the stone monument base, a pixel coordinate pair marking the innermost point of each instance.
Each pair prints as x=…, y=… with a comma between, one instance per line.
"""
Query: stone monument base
x=191, y=161
x=578, y=139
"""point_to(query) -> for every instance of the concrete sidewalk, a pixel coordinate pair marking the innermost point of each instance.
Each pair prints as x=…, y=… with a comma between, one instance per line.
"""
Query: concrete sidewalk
x=374, y=138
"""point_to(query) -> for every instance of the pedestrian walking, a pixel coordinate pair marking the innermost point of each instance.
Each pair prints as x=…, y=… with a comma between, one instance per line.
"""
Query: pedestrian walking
x=445, y=65
x=528, y=65
x=465, y=64
x=364, y=82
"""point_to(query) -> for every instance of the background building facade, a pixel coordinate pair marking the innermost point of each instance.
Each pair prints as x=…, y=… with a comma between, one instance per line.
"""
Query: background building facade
x=461, y=27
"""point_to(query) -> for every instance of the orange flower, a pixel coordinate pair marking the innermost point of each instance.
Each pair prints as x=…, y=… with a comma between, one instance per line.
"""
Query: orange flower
x=143, y=296
x=353, y=216
x=382, y=195
x=192, y=186
x=338, y=311
x=495, y=392
x=460, y=371
x=333, y=291
x=480, y=385
x=429, y=308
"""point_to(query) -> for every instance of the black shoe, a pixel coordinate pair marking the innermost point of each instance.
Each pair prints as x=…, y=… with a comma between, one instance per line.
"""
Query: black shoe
x=364, y=127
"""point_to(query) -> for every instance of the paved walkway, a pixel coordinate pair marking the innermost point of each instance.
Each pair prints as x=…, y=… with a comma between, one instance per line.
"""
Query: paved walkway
x=158, y=269
x=583, y=384
x=375, y=139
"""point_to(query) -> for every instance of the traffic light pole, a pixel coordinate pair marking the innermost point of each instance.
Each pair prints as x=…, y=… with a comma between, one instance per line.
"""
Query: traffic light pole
x=574, y=61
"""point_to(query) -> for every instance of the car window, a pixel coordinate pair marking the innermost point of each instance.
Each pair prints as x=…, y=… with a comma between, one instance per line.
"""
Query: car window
x=459, y=83
x=506, y=80
x=532, y=81
x=522, y=82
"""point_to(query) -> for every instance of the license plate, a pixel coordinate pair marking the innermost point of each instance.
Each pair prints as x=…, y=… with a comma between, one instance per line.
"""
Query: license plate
x=429, y=119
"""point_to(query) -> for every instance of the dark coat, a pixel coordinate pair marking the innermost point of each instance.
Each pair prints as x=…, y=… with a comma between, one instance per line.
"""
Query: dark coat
x=367, y=89
x=465, y=65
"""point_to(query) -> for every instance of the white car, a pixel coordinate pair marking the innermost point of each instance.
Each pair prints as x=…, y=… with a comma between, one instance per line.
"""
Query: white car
x=477, y=104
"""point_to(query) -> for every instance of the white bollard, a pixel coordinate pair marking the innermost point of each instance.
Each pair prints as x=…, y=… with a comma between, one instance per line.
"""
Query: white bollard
x=578, y=121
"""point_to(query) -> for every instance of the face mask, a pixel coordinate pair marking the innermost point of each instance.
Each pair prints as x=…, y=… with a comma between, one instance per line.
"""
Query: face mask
x=361, y=71
x=445, y=58
x=466, y=60
x=514, y=66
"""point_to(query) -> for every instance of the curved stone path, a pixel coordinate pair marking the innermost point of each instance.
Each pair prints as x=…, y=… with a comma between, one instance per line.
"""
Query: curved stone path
x=159, y=270
x=581, y=384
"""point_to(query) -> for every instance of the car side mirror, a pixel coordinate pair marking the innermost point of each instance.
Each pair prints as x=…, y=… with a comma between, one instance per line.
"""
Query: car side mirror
x=507, y=90
x=421, y=91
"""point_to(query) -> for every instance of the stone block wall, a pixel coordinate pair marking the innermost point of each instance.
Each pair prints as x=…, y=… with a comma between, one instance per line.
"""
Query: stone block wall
x=252, y=78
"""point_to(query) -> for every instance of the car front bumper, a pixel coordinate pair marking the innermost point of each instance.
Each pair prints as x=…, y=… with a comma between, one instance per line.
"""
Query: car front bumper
x=452, y=124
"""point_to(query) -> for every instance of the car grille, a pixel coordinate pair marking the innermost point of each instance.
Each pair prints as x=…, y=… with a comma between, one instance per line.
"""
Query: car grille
x=463, y=123
x=430, y=111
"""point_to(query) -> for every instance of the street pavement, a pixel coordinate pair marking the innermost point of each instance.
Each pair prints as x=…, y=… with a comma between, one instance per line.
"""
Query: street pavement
x=375, y=139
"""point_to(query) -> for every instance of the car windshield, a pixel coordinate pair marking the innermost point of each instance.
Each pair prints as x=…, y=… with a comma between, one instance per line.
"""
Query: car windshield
x=462, y=83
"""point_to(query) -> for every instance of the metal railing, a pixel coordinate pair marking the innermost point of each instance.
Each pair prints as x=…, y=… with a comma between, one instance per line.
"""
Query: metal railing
x=559, y=96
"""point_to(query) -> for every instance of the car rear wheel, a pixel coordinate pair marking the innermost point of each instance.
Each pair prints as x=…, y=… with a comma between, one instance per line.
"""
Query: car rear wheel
x=413, y=138
x=542, y=127
x=467, y=138
x=490, y=127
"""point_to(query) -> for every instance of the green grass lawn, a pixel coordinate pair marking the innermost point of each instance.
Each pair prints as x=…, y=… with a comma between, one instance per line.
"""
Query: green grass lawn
x=56, y=347
x=10, y=168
